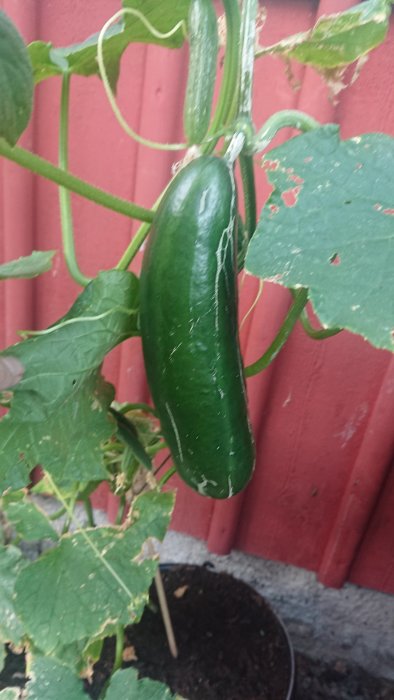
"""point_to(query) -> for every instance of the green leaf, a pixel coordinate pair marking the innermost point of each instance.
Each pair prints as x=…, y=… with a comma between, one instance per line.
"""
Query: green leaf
x=3, y=654
x=339, y=39
x=125, y=684
x=81, y=589
x=163, y=16
x=28, y=266
x=329, y=226
x=59, y=413
x=28, y=521
x=16, y=82
x=11, y=564
x=81, y=58
x=10, y=694
x=50, y=679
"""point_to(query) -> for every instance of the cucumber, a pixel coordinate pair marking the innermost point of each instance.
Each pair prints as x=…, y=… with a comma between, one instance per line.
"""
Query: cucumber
x=188, y=317
x=203, y=52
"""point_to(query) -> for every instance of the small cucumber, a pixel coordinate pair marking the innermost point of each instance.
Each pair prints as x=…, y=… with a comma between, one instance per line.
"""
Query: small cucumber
x=203, y=52
x=188, y=315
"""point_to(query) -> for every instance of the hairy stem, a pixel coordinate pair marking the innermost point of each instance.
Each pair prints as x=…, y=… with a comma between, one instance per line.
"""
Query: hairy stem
x=300, y=299
x=292, y=118
x=64, y=194
x=43, y=167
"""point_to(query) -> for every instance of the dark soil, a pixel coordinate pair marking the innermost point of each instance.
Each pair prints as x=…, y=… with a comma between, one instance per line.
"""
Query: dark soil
x=230, y=643
x=250, y=662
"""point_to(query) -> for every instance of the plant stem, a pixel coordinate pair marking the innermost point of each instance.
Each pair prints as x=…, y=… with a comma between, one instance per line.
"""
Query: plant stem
x=228, y=88
x=43, y=167
x=300, y=300
x=121, y=507
x=166, y=477
x=87, y=504
x=118, y=648
x=133, y=248
x=125, y=408
x=247, y=175
x=166, y=615
x=64, y=194
x=136, y=242
x=57, y=514
x=248, y=40
x=293, y=118
x=317, y=333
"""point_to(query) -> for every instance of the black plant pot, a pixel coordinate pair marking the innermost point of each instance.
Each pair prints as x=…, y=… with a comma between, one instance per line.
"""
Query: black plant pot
x=231, y=644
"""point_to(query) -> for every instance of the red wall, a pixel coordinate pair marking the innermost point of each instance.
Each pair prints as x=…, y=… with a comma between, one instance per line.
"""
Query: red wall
x=322, y=494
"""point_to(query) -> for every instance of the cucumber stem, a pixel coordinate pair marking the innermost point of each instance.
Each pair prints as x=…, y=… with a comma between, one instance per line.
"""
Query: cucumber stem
x=292, y=118
x=64, y=194
x=43, y=167
x=300, y=300
x=249, y=190
x=119, y=637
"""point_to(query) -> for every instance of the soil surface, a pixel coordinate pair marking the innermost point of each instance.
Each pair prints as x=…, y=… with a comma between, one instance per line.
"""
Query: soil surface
x=252, y=648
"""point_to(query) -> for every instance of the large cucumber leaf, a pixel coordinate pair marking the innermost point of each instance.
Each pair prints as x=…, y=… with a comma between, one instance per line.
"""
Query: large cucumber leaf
x=81, y=58
x=94, y=579
x=329, y=226
x=339, y=39
x=59, y=412
x=16, y=82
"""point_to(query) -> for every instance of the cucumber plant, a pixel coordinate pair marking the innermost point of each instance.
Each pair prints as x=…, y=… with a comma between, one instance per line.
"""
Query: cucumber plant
x=61, y=414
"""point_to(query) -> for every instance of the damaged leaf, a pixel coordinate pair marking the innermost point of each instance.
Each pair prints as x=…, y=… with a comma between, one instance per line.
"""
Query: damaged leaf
x=50, y=679
x=337, y=40
x=94, y=579
x=59, y=411
x=329, y=226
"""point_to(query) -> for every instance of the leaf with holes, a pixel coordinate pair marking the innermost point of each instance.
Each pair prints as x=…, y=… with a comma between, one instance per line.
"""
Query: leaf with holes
x=126, y=685
x=329, y=226
x=94, y=579
x=59, y=413
x=339, y=39
x=16, y=82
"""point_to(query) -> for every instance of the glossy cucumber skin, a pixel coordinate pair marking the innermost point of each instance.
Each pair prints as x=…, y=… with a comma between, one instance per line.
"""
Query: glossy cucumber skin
x=203, y=52
x=188, y=315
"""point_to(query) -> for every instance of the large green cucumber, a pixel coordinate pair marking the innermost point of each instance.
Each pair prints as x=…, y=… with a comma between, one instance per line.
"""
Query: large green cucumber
x=189, y=330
